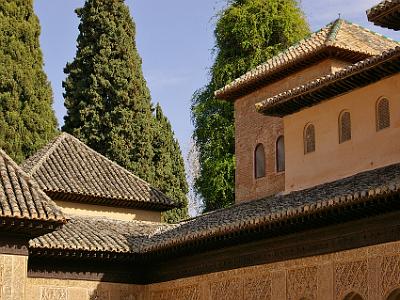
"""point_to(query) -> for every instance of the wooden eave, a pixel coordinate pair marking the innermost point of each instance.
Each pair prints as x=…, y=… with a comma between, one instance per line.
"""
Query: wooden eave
x=389, y=18
x=28, y=227
x=110, y=202
x=287, y=69
x=335, y=87
x=335, y=211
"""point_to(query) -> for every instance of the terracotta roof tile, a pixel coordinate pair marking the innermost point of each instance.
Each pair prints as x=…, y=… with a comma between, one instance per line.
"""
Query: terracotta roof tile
x=340, y=34
x=386, y=64
x=355, y=189
x=21, y=197
x=99, y=235
x=68, y=169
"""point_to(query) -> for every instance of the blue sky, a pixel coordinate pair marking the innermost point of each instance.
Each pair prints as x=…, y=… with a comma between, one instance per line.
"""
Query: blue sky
x=174, y=39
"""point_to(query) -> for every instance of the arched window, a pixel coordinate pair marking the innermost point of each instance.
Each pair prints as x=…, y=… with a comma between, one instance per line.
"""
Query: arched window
x=395, y=295
x=309, y=138
x=280, y=154
x=353, y=296
x=382, y=114
x=344, y=127
x=259, y=161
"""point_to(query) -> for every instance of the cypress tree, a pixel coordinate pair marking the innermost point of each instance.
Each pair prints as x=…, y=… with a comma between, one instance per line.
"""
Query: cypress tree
x=27, y=120
x=169, y=167
x=248, y=32
x=106, y=96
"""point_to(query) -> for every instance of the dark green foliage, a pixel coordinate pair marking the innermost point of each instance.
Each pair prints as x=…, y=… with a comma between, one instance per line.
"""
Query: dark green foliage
x=169, y=167
x=248, y=33
x=106, y=96
x=27, y=120
x=109, y=106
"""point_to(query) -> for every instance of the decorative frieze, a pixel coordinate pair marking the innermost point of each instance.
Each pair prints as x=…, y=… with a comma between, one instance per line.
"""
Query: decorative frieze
x=258, y=288
x=50, y=293
x=182, y=293
x=351, y=277
x=390, y=273
x=302, y=283
x=227, y=289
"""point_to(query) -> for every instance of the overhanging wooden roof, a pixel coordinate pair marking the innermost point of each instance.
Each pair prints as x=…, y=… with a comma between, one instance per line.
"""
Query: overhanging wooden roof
x=386, y=14
x=355, y=76
x=364, y=194
x=339, y=39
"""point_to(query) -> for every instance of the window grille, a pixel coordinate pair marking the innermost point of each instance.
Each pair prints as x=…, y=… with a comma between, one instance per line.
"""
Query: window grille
x=309, y=139
x=382, y=114
x=280, y=154
x=344, y=127
x=259, y=161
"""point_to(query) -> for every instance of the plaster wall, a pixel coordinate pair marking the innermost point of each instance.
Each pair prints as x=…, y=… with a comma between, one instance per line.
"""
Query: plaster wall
x=367, y=149
x=252, y=128
x=116, y=213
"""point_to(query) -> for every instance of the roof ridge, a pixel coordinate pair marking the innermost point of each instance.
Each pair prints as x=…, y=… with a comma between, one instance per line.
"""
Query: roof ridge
x=109, y=160
x=54, y=143
x=335, y=27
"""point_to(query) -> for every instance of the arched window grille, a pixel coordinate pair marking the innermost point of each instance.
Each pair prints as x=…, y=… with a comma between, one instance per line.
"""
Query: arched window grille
x=395, y=295
x=280, y=154
x=309, y=138
x=382, y=114
x=259, y=161
x=353, y=296
x=344, y=127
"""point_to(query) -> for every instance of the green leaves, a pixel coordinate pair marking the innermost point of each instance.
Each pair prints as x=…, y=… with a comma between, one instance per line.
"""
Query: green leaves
x=27, y=121
x=247, y=33
x=109, y=106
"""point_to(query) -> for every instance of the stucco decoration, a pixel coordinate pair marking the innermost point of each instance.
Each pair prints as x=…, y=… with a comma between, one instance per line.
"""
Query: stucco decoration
x=99, y=295
x=54, y=293
x=390, y=276
x=258, y=288
x=182, y=293
x=351, y=277
x=302, y=283
x=227, y=289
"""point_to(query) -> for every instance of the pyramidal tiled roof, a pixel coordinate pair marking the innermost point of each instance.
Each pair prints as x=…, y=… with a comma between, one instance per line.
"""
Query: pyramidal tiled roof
x=386, y=14
x=67, y=169
x=340, y=35
x=20, y=196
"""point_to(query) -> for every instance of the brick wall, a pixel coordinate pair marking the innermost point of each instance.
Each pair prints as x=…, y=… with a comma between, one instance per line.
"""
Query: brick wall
x=252, y=128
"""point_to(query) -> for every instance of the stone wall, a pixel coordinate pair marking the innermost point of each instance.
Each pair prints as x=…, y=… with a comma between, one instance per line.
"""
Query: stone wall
x=252, y=128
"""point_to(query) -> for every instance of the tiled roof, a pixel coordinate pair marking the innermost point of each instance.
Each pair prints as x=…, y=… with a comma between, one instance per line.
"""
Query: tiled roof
x=386, y=14
x=354, y=76
x=98, y=235
x=20, y=196
x=362, y=187
x=340, y=35
x=67, y=169
x=102, y=235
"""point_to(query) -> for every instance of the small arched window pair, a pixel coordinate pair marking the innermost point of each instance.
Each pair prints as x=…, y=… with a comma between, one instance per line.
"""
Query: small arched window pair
x=382, y=114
